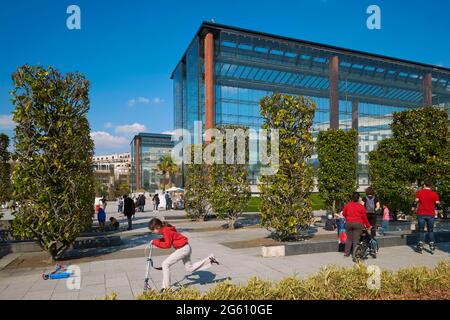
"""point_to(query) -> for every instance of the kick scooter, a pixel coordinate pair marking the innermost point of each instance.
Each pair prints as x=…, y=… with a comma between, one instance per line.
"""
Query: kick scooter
x=60, y=272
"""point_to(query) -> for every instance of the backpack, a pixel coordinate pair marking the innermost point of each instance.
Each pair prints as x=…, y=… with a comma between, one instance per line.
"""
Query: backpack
x=370, y=204
x=330, y=225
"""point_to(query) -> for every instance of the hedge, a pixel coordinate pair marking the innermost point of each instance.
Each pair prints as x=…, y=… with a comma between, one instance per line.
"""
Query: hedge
x=331, y=283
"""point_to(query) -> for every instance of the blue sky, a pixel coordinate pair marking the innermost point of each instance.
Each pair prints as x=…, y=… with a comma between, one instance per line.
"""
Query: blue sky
x=127, y=49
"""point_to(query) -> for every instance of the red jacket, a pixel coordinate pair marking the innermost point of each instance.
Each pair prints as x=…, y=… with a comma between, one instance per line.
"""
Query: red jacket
x=170, y=238
x=355, y=212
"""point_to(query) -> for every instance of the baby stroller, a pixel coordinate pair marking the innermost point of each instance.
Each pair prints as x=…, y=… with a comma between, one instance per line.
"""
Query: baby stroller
x=367, y=245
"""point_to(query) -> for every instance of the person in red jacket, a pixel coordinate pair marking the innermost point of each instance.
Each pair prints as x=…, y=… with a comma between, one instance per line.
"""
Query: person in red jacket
x=356, y=219
x=172, y=238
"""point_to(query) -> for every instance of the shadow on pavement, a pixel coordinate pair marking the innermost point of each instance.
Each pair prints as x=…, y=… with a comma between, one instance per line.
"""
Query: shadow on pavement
x=201, y=278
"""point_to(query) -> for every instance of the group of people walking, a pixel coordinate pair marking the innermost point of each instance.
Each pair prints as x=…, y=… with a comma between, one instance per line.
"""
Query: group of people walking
x=140, y=201
x=362, y=213
x=129, y=206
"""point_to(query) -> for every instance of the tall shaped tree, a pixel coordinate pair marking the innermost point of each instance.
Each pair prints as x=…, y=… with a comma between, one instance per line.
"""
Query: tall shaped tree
x=5, y=170
x=285, y=196
x=53, y=178
x=419, y=148
x=197, y=188
x=230, y=187
x=337, y=153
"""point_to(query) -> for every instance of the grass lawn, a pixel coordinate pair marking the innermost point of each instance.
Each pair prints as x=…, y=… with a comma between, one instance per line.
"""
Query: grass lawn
x=254, y=203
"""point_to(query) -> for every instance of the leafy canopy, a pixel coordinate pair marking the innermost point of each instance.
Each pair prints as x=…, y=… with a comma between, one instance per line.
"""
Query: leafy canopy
x=53, y=178
x=337, y=173
x=418, y=149
x=286, y=196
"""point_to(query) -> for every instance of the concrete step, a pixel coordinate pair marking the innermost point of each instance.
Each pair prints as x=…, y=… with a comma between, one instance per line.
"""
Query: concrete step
x=320, y=246
x=8, y=259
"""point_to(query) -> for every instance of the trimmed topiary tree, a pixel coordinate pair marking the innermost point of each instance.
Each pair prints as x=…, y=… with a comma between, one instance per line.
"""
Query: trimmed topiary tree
x=285, y=196
x=5, y=169
x=53, y=178
x=419, y=148
x=337, y=152
x=230, y=188
x=197, y=189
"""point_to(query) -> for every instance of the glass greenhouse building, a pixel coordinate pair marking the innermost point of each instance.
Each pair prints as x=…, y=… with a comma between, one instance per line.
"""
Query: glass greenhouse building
x=226, y=71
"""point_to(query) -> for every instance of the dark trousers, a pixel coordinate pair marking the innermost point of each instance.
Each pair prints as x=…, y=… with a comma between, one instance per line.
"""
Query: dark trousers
x=429, y=222
x=129, y=222
x=354, y=230
x=372, y=217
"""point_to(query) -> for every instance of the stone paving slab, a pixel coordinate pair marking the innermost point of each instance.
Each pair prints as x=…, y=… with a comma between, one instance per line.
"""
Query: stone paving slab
x=92, y=292
x=101, y=275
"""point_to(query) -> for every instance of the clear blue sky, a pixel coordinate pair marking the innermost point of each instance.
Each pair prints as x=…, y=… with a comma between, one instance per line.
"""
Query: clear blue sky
x=127, y=49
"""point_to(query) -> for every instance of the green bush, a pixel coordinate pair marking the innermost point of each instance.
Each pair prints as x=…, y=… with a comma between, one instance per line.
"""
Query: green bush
x=286, y=195
x=197, y=187
x=419, y=148
x=52, y=178
x=331, y=283
x=5, y=170
x=337, y=152
x=229, y=186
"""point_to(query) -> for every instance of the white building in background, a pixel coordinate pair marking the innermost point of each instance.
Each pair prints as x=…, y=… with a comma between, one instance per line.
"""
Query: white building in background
x=113, y=168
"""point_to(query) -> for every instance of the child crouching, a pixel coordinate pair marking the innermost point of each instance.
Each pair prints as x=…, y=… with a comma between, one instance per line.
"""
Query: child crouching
x=172, y=238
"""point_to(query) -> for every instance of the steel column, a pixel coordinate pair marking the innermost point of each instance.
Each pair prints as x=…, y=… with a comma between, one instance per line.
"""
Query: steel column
x=334, y=92
x=209, y=83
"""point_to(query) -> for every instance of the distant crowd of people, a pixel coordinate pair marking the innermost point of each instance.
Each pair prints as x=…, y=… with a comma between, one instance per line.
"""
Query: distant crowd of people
x=129, y=206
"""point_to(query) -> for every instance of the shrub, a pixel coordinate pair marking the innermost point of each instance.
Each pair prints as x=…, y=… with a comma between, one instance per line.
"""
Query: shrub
x=230, y=188
x=331, y=283
x=5, y=170
x=337, y=153
x=419, y=148
x=286, y=195
x=197, y=188
x=52, y=178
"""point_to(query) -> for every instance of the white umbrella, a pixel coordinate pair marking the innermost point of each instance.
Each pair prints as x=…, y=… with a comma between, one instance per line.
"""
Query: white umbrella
x=175, y=189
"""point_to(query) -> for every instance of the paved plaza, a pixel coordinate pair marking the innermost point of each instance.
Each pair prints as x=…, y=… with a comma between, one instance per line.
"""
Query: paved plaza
x=121, y=269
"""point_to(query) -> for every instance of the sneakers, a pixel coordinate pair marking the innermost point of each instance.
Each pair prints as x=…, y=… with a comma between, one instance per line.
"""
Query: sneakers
x=432, y=247
x=213, y=260
x=419, y=247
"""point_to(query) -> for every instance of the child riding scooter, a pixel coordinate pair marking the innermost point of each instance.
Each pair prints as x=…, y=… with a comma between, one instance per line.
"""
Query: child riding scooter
x=172, y=238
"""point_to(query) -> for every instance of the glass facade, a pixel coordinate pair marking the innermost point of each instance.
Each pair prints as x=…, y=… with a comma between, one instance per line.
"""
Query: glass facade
x=146, y=150
x=249, y=65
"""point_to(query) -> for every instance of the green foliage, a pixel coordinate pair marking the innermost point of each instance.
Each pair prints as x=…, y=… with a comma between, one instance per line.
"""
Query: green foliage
x=254, y=204
x=121, y=188
x=286, y=195
x=230, y=188
x=317, y=202
x=5, y=169
x=53, y=178
x=100, y=189
x=337, y=151
x=331, y=283
x=166, y=167
x=197, y=188
x=419, y=148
